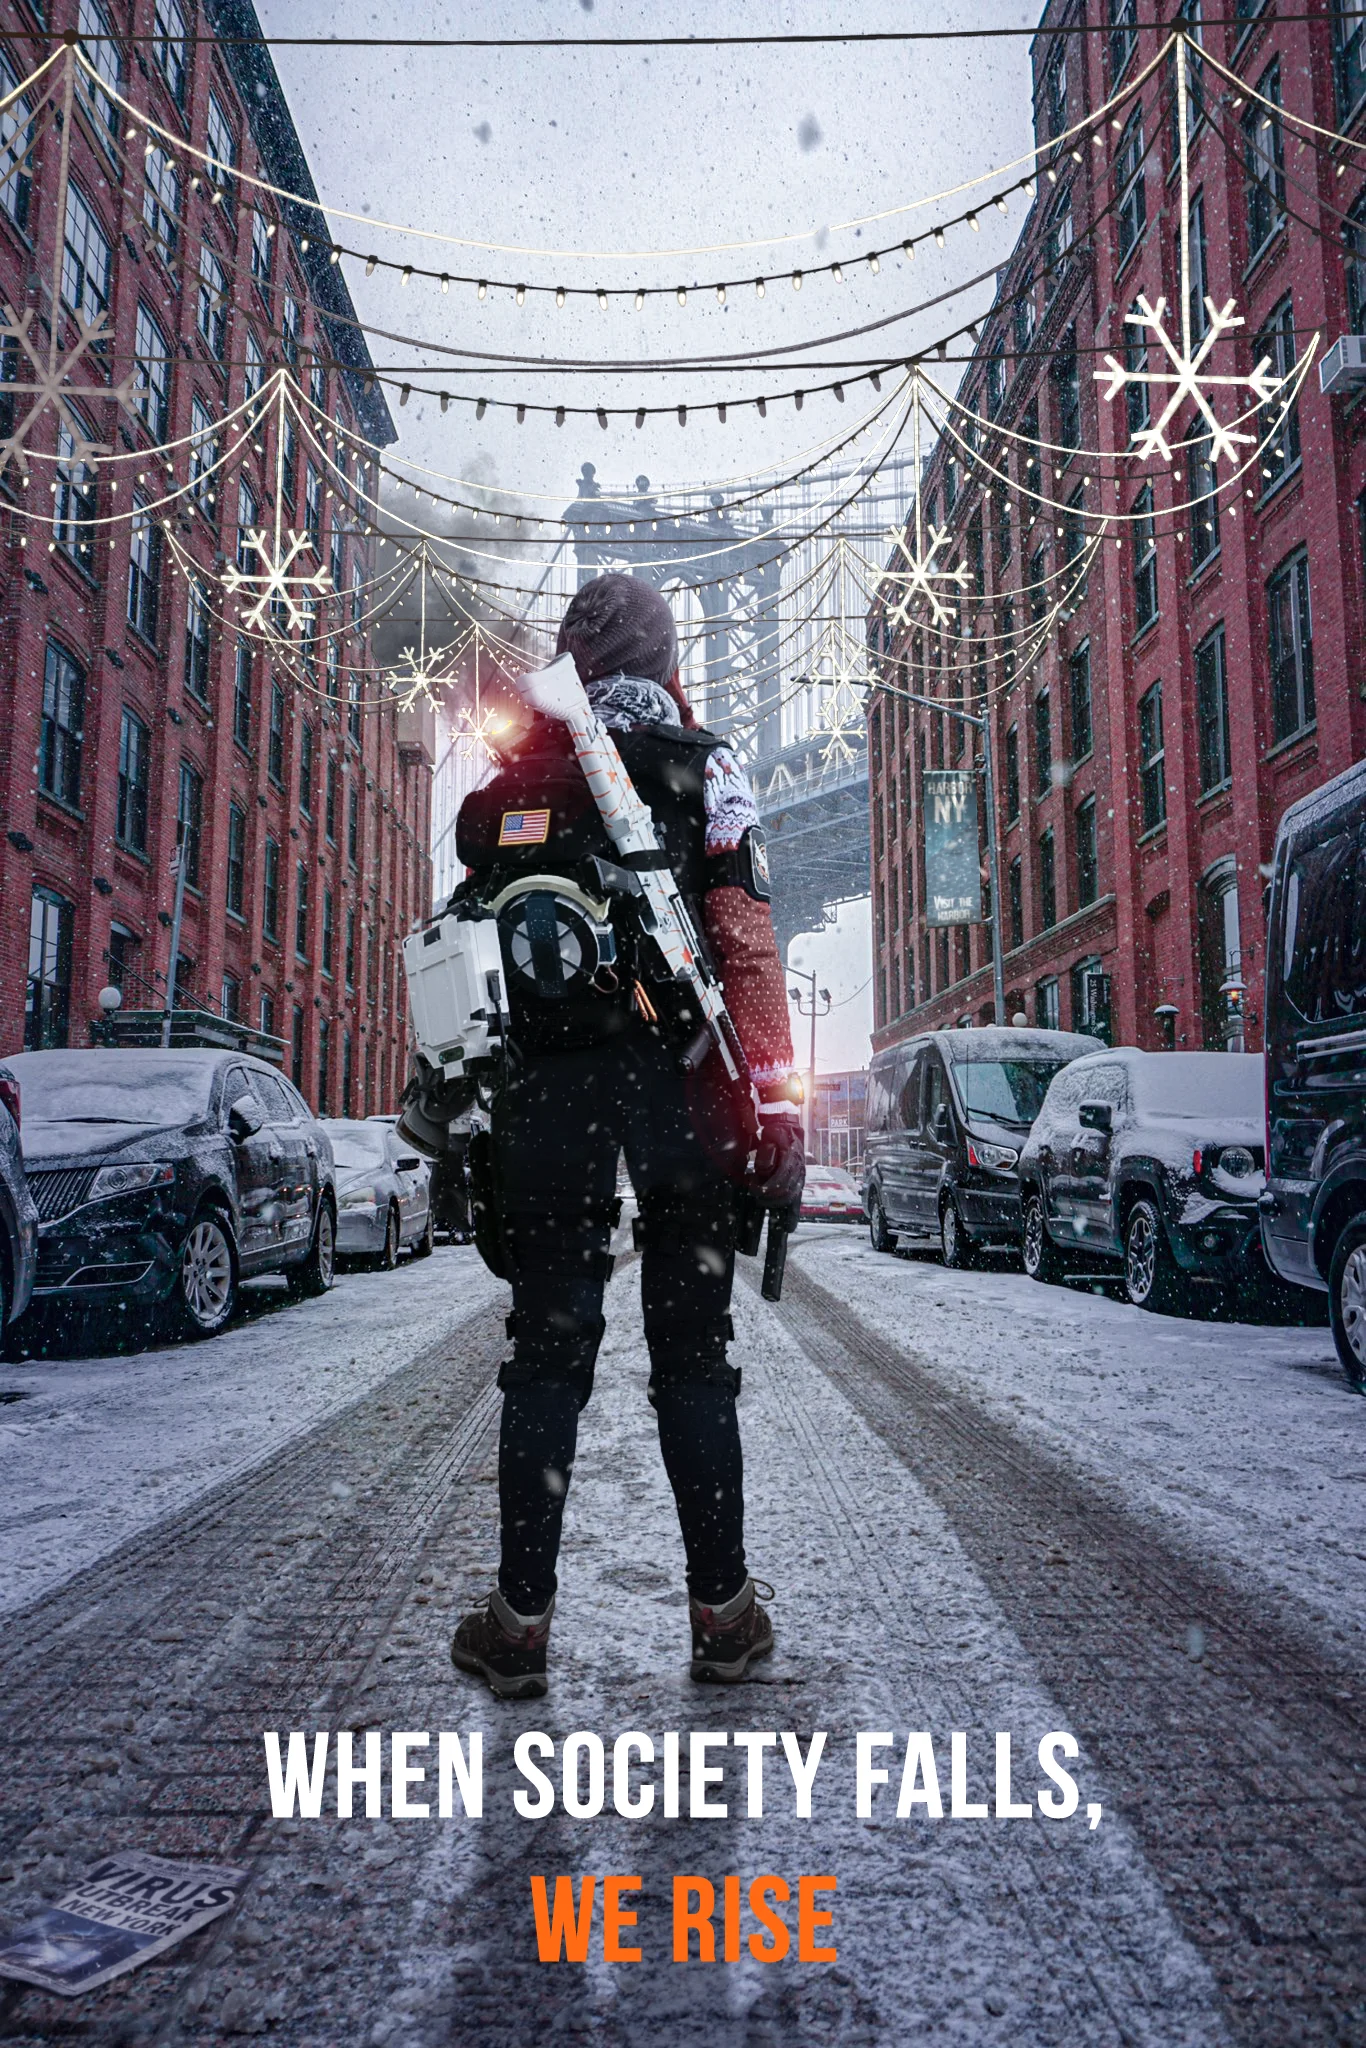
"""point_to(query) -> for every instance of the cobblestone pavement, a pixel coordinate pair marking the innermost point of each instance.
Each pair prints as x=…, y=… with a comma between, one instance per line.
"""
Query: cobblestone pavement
x=934, y=1571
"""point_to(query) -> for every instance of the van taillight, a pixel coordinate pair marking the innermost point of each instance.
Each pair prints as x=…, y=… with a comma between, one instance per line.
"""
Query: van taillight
x=9, y=1095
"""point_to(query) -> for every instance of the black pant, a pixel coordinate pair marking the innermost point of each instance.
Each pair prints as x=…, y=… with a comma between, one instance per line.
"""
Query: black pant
x=558, y=1130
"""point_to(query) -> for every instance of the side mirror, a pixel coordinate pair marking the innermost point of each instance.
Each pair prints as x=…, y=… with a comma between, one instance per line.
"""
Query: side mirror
x=244, y=1119
x=1096, y=1116
x=408, y=1162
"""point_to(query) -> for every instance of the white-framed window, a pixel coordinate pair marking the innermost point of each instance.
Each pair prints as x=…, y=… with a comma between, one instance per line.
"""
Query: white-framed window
x=1130, y=185
x=96, y=31
x=16, y=140
x=74, y=505
x=161, y=201
x=203, y=456
x=262, y=250
x=144, y=571
x=222, y=145
x=152, y=374
x=317, y=386
x=313, y=506
x=198, y=646
x=248, y=518
x=212, y=303
x=291, y=328
x=87, y=259
x=254, y=367
x=169, y=46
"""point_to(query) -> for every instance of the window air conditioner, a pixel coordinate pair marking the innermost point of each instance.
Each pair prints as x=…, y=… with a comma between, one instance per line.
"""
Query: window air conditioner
x=1344, y=366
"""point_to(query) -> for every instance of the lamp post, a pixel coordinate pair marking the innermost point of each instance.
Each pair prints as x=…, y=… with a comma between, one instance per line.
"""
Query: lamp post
x=800, y=974
x=981, y=722
x=109, y=999
x=178, y=867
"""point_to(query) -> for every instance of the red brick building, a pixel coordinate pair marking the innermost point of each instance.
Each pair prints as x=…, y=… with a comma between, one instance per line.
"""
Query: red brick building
x=136, y=711
x=1210, y=671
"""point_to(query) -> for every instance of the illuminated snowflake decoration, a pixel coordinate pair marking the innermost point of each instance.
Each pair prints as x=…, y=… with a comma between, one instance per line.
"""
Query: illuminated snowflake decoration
x=420, y=678
x=841, y=711
x=51, y=388
x=916, y=576
x=1186, y=378
x=274, y=584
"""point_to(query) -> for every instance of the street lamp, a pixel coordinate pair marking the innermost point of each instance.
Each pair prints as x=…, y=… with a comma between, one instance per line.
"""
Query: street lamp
x=109, y=1000
x=801, y=999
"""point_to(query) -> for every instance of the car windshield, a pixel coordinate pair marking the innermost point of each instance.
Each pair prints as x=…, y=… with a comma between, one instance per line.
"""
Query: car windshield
x=1008, y=1091
x=113, y=1088
x=355, y=1146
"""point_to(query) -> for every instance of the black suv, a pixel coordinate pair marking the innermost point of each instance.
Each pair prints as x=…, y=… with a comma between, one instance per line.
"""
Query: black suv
x=164, y=1177
x=1314, y=1208
x=947, y=1115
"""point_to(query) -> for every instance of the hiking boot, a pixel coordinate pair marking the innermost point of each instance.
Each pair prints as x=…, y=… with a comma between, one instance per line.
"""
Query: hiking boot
x=504, y=1648
x=727, y=1639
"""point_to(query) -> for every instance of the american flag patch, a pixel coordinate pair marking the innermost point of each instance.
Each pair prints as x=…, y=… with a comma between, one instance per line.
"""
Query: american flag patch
x=524, y=828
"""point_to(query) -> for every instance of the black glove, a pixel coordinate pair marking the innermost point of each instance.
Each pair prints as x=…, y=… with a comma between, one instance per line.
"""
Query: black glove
x=429, y=1105
x=779, y=1171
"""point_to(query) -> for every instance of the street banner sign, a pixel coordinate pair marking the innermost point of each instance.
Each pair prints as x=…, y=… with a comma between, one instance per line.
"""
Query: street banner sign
x=953, y=862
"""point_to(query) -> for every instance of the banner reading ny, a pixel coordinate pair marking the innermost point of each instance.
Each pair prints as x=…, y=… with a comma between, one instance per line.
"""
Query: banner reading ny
x=953, y=868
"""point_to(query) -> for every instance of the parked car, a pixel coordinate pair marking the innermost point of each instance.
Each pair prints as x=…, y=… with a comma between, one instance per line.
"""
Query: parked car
x=831, y=1195
x=947, y=1115
x=383, y=1191
x=1313, y=1213
x=166, y=1177
x=1149, y=1163
x=18, y=1213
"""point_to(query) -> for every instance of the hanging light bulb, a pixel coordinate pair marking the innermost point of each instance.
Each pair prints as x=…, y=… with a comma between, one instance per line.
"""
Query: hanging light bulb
x=521, y=414
x=873, y=263
x=483, y=288
x=796, y=280
x=602, y=422
x=759, y=288
x=974, y=223
x=371, y=263
x=445, y=400
x=406, y=273
x=721, y=414
x=762, y=404
x=939, y=236
x=559, y=295
x=602, y=297
x=520, y=294
x=1000, y=203
x=335, y=256
x=682, y=415
x=640, y=300
x=837, y=273
x=682, y=296
x=640, y=418
x=559, y=415
x=720, y=295
x=908, y=251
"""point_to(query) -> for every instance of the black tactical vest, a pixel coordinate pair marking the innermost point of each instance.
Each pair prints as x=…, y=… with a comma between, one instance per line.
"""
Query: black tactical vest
x=536, y=817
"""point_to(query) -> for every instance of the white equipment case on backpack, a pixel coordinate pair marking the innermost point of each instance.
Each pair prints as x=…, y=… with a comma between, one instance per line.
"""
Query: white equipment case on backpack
x=455, y=985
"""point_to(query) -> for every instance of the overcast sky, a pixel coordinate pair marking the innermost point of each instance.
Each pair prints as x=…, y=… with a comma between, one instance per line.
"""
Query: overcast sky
x=605, y=150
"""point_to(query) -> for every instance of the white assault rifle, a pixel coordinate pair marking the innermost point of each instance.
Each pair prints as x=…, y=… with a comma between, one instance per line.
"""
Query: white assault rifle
x=556, y=692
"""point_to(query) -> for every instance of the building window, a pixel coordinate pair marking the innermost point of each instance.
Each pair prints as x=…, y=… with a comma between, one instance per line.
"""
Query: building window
x=1145, y=560
x=1038, y=586
x=47, y=997
x=291, y=328
x=1015, y=895
x=1012, y=774
x=1188, y=17
x=1220, y=953
x=289, y=466
x=329, y=932
x=1088, y=870
x=275, y=738
x=1278, y=421
x=357, y=595
x=324, y=1062
x=1048, y=882
x=144, y=572
x=247, y=518
x=270, y=892
x=1137, y=405
x=122, y=952
x=1354, y=239
x=16, y=141
x=1198, y=253
x=313, y=507
x=1211, y=711
x=190, y=821
x=353, y=825
x=266, y=1013
x=62, y=732
x=197, y=644
x=1264, y=164
x=1131, y=199
x=253, y=373
x=1047, y=1011
x=1043, y=745
x=996, y=374
x=241, y=696
x=1152, y=770
x=317, y=386
x=296, y=1047
x=212, y=303
x=1058, y=242
x=330, y=803
x=262, y=252
x=350, y=949
x=152, y=374
x=75, y=504
x=105, y=58
x=87, y=260
x=161, y=202
x=306, y=769
x=203, y=457
x=168, y=46
x=1203, y=492
x=237, y=859
x=354, y=710
x=1349, y=36
x=1074, y=538
x=222, y=147
x=301, y=911
x=230, y=1002
x=135, y=767
x=347, y=1074
x=1290, y=632
x=1123, y=36
x=1079, y=695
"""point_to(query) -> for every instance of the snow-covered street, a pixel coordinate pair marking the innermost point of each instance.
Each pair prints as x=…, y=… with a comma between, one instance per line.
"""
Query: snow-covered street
x=985, y=1506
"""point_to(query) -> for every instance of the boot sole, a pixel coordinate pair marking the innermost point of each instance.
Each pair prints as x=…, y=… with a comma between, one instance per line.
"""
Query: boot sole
x=530, y=1685
x=703, y=1672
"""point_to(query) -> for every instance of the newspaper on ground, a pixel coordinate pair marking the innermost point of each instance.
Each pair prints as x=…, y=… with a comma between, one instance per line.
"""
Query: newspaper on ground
x=128, y=1908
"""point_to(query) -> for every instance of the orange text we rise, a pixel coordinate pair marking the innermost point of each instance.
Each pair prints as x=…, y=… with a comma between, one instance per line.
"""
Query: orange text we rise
x=565, y=1923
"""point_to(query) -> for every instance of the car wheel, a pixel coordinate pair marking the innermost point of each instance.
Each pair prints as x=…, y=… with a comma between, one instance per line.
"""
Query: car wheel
x=423, y=1248
x=205, y=1291
x=1039, y=1255
x=882, y=1239
x=1347, y=1301
x=956, y=1247
x=315, y=1274
x=387, y=1257
x=1152, y=1278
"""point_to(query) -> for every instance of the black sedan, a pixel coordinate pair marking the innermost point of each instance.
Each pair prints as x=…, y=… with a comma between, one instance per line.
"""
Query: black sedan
x=163, y=1178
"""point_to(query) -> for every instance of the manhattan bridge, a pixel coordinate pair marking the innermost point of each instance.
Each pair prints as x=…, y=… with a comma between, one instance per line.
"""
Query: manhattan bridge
x=773, y=656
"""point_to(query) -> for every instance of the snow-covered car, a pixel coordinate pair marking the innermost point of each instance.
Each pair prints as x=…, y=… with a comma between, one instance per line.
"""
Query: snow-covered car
x=164, y=1177
x=384, y=1201
x=18, y=1215
x=947, y=1115
x=831, y=1195
x=1152, y=1162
